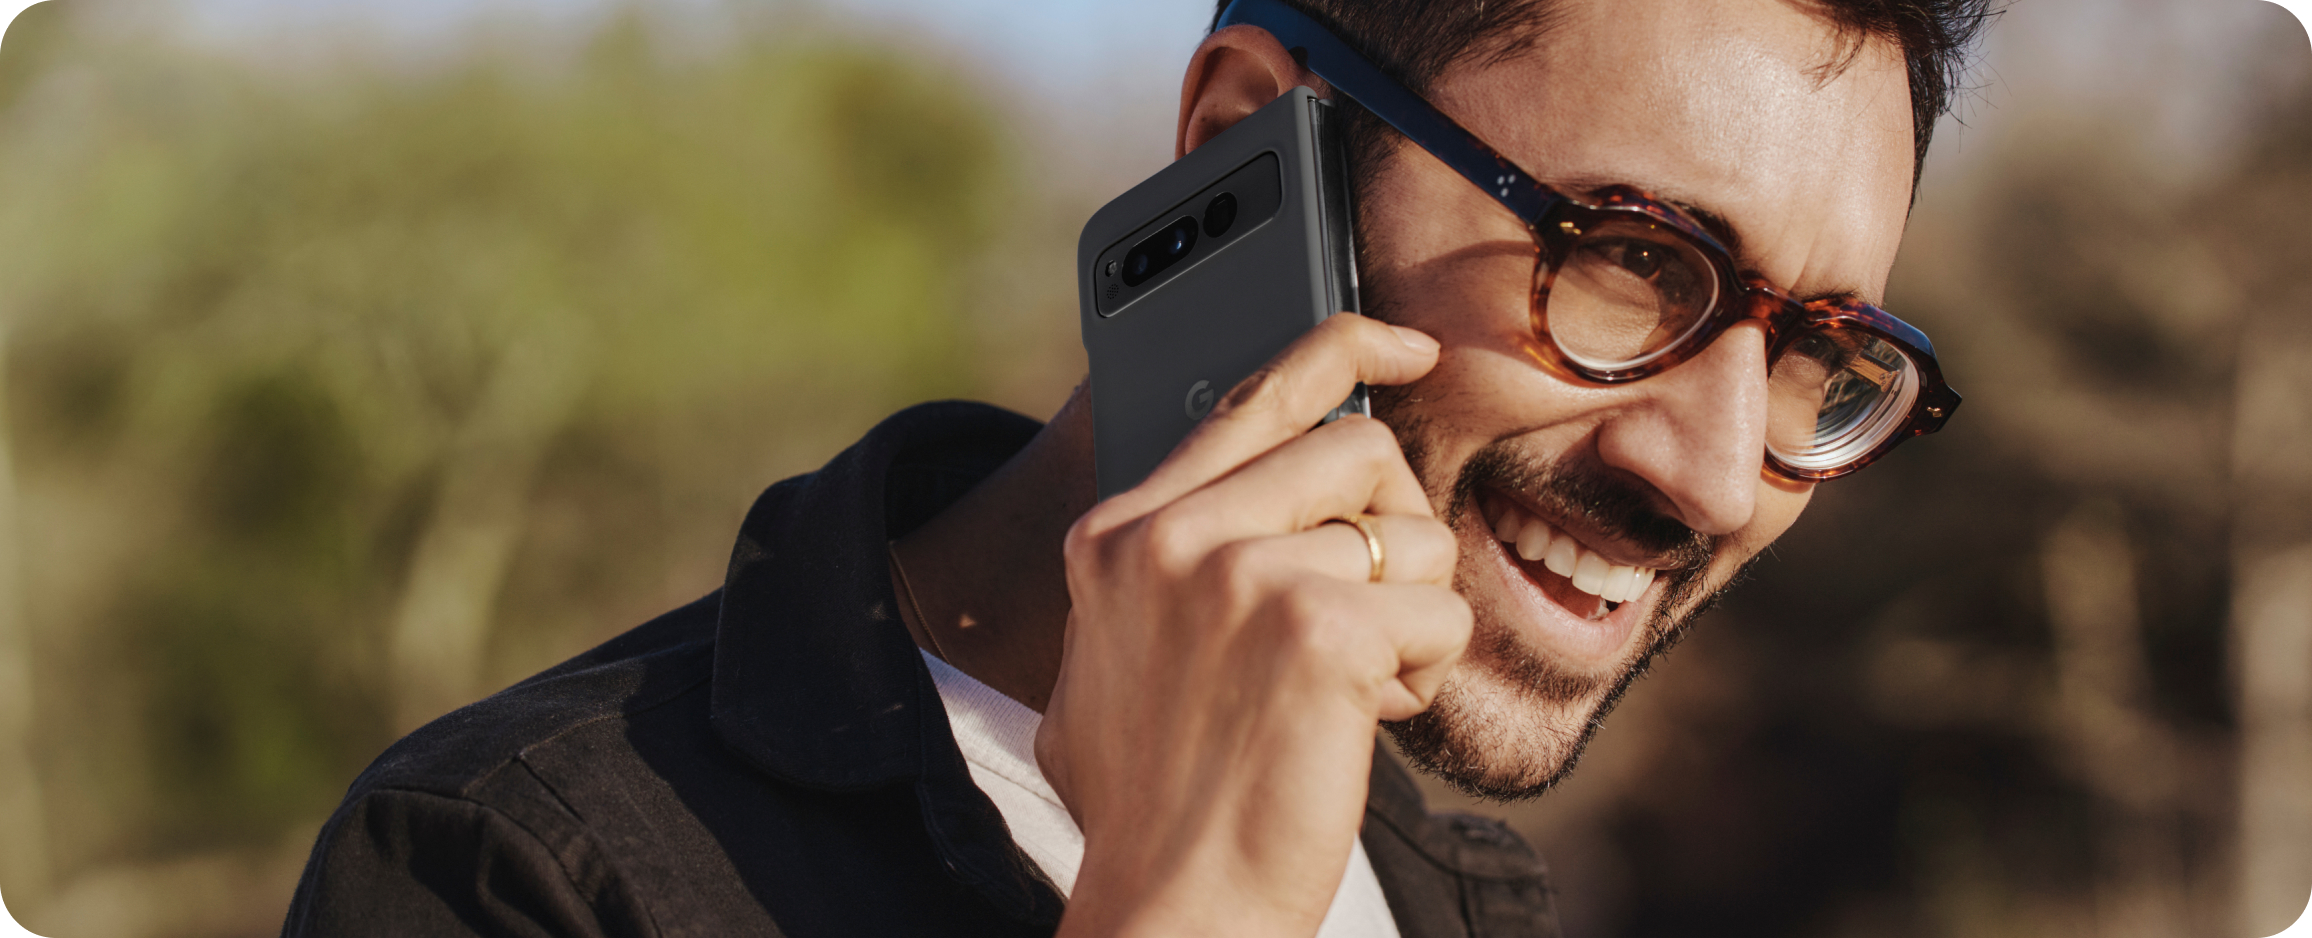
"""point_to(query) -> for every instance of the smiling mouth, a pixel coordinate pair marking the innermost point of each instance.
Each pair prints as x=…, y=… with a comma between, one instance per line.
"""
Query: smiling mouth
x=1569, y=572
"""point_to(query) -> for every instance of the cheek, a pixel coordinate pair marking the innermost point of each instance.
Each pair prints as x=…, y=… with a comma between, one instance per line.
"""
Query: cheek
x=1439, y=257
x=1479, y=395
x=1779, y=504
x=1476, y=297
x=1483, y=389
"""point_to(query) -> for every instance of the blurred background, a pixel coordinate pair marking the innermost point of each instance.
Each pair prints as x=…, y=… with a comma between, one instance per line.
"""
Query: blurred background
x=359, y=358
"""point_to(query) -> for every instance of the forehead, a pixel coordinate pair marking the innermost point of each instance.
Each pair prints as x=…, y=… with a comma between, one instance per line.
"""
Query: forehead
x=1734, y=106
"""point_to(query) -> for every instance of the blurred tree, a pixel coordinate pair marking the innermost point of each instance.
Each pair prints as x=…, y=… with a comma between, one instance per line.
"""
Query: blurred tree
x=2266, y=241
x=290, y=361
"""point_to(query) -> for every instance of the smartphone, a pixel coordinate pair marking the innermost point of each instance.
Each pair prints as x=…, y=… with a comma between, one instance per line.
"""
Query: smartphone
x=1203, y=272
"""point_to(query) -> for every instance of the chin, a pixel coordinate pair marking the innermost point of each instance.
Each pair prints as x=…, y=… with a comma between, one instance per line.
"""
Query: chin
x=1512, y=721
x=1551, y=653
x=1489, y=738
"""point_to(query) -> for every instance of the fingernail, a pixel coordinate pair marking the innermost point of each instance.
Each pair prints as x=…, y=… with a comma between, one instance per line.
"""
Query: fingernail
x=1415, y=339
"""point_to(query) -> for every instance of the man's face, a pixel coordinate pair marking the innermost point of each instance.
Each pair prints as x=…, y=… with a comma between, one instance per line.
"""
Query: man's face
x=1734, y=108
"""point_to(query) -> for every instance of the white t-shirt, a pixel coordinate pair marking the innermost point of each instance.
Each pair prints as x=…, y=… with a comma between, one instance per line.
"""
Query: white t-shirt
x=998, y=737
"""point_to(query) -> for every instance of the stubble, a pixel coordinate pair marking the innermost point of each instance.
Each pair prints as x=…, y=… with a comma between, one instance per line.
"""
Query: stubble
x=1511, y=722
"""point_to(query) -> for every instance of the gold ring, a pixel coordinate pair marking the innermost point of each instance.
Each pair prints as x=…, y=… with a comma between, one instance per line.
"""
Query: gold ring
x=1364, y=526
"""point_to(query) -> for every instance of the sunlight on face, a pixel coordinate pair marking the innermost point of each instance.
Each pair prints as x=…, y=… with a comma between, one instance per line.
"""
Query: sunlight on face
x=1727, y=107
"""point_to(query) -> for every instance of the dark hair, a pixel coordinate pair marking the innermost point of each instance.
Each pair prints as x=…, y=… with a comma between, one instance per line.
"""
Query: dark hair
x=1417, y=40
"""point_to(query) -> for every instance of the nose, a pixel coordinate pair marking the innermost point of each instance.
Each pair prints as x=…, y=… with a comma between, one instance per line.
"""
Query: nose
x=1697, y=432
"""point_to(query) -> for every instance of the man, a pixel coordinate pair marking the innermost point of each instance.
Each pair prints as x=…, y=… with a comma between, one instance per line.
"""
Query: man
x=845, y=739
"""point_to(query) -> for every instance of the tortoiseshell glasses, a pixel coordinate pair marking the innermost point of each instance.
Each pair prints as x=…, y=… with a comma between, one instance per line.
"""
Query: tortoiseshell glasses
x=1626, y=287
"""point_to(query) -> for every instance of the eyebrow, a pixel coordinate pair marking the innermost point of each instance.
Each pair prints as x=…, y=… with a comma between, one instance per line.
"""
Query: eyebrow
x=1714, y=223
x=1837, y=296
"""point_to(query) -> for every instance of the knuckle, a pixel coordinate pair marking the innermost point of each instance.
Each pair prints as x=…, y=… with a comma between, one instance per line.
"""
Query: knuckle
x=1435, y=551
x=1366, y=336
x=1366, y=432
x=1310, y=616
x=1100, y=521
x=1354, y=324
x=1263, y=391
x=1377, y=443
x=1238, y=576
x=1170, y=541
x=1082, y=544
x=1368, y=442
x=1091, y=539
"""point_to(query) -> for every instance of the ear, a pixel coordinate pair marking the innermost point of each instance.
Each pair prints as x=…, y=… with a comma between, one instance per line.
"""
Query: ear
x=1235, y=72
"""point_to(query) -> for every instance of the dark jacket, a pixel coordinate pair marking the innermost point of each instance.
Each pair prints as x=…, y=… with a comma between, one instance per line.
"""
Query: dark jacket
x=774, y=760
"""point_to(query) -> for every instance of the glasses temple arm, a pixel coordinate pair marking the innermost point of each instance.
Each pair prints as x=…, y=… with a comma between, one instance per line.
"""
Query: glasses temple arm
x=1351, y=74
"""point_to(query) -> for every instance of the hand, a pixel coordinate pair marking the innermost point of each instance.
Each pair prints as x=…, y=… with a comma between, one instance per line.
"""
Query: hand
x=1227, y=660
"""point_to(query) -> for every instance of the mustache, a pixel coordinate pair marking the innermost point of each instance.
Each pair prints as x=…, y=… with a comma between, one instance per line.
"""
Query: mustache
x=1594, y=495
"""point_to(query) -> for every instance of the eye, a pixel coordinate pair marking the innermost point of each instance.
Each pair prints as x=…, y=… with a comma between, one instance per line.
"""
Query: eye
x=1640, y=258
x=1811, y=364
x=1822, y=348
x=1668, y=269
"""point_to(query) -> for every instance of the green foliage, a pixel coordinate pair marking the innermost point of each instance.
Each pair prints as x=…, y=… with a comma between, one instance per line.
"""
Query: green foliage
x=259, y=323
x=245, y=728
x=280, y=465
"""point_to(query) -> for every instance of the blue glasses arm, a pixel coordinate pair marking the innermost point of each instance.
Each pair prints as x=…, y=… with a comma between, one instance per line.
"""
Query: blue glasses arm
x=1351, y=74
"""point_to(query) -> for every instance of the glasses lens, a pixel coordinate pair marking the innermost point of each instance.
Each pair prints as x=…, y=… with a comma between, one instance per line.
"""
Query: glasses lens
x=1834, y=395
x=1629, y=290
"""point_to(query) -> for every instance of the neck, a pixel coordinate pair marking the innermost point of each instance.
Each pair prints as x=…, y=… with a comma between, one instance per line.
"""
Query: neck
x=988, y=580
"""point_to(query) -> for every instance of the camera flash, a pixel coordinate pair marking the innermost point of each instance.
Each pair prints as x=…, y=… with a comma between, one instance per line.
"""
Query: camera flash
x=1111, y=268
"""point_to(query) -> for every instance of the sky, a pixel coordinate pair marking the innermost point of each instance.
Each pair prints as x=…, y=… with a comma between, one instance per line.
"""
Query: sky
x=2178, y=65
x=1095, y=83
x=1079, y=37
x=1111, y=67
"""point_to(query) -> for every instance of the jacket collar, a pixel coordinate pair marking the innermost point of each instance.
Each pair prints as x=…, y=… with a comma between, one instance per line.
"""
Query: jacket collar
x=816, y=680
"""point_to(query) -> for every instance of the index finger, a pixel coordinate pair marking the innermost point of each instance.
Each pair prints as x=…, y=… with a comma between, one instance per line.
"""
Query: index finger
x=1289, y=395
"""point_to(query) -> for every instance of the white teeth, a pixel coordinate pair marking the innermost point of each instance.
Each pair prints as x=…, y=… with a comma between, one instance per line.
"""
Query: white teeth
x=1610, y=583
x=1589, y=576
x=1621, y=584
x=1563, y=554
x=1508, y=526
x=1533, y=541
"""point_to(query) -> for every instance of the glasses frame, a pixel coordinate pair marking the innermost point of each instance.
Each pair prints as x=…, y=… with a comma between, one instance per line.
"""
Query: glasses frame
x=1555, y=220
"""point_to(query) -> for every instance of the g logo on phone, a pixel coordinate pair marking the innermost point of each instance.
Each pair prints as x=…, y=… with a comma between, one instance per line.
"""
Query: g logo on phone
x=1199, y=400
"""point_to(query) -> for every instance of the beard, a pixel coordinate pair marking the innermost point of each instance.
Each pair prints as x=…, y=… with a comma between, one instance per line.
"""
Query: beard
x=1511, y=723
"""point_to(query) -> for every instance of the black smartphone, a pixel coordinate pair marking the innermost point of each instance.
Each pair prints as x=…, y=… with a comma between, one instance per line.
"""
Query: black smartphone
x=1197, y=276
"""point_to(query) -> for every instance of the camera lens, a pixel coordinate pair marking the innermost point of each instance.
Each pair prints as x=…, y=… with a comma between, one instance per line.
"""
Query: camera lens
x=1219, y=214
x=1162, y=249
